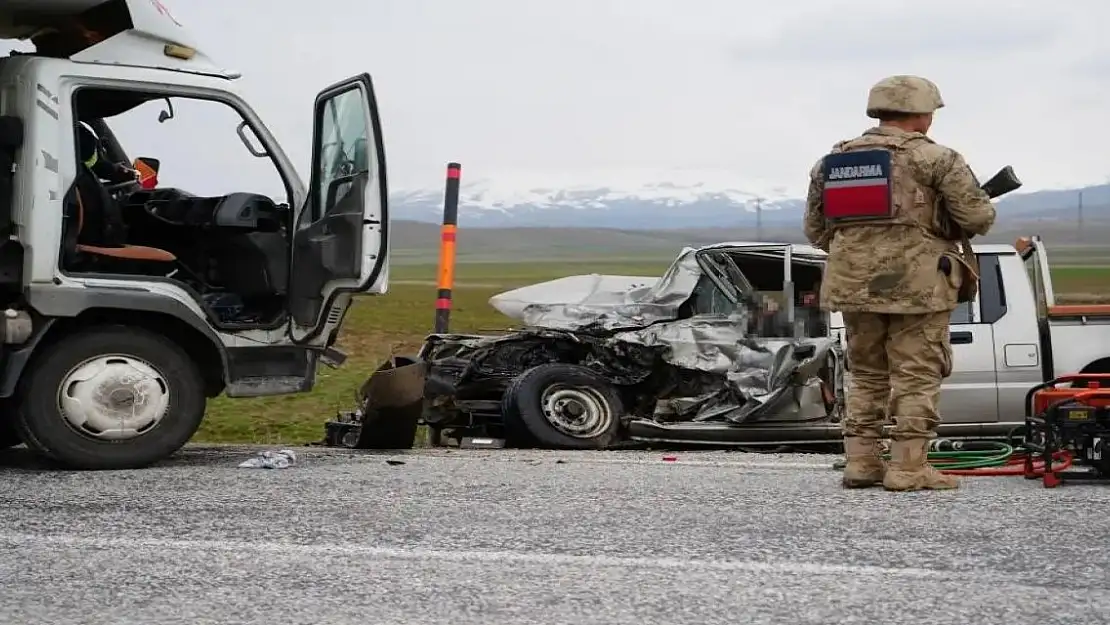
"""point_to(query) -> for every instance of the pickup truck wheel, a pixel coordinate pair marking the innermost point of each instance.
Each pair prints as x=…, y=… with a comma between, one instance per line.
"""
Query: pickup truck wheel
x=111, y=398
x=566, y=407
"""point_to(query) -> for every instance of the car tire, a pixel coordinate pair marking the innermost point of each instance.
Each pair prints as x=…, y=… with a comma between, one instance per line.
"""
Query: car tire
x=64, y=411
x=516, y=434
x=566, y=407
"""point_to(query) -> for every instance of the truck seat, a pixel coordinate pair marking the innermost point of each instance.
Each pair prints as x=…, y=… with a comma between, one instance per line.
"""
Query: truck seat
x=122, y=252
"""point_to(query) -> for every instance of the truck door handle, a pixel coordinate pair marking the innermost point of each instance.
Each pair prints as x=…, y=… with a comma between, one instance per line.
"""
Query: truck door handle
x=960, y=338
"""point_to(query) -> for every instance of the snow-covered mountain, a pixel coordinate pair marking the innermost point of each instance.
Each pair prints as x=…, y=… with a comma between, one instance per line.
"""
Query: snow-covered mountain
x=665, y=200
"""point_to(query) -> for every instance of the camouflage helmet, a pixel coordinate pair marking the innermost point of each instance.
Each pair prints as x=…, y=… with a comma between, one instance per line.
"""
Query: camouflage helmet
x=903, y=94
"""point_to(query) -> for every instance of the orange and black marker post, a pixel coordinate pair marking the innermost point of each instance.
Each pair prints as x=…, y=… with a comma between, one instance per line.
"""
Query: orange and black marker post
x=447, y=248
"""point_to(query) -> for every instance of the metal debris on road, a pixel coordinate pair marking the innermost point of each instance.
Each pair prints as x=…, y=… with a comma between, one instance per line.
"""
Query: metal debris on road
x=282, y=459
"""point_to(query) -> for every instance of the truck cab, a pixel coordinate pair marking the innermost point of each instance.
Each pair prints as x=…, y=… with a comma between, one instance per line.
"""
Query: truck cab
x=137, y=284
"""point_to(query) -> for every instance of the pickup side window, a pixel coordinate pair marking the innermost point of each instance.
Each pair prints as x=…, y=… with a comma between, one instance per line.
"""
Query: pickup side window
x=991, y=302
x=992, y=292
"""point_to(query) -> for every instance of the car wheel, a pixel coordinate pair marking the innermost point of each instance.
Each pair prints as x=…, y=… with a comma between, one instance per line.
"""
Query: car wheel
x=110, y=398
x=516, y=434
x=566, y=407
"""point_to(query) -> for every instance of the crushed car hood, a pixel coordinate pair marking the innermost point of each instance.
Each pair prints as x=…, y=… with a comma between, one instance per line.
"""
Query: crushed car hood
x=603, y=302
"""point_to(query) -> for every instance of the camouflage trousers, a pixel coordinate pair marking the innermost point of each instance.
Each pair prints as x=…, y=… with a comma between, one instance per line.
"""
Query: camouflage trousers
x=896, y=366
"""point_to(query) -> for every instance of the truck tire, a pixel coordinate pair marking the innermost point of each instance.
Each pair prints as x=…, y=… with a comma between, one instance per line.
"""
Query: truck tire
x=566, y=407
x=110, y=397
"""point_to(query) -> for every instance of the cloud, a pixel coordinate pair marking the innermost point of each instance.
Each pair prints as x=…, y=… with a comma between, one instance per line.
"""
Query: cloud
x=757, y=88
x=866, y=32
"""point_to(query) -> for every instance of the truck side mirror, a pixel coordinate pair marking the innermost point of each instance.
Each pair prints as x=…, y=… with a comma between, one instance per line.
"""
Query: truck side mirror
x=153, y=163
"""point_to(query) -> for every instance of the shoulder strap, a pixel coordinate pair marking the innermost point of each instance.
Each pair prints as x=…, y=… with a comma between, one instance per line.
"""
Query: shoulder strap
x=969, y=286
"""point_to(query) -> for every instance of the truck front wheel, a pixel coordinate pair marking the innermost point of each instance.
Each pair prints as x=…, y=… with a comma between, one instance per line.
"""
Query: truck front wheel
x=110, y=398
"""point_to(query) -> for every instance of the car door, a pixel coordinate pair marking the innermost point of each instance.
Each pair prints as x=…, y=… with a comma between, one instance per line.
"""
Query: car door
x=970, y=394
x=341, y=239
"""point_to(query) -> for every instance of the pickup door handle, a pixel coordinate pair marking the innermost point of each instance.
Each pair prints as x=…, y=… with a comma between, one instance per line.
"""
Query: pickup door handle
x=960, y=338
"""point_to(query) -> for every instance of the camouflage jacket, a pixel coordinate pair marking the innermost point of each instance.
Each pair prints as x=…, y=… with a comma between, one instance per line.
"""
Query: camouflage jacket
x=893, y=266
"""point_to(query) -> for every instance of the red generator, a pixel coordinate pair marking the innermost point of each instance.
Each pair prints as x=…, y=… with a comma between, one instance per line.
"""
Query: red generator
x=1065, y=424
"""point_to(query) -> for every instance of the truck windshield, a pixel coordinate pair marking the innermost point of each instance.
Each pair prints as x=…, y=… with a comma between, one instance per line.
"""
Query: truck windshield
x=199, y=149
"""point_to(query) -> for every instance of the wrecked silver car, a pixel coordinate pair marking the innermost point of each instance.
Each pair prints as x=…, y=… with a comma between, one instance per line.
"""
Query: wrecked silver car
x=727, y=347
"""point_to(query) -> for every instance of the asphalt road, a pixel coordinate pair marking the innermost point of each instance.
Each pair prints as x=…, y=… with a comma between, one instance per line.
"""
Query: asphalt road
x=530, y=537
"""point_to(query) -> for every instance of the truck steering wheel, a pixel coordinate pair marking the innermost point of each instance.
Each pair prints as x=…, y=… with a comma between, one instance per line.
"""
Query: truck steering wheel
x=130, y=185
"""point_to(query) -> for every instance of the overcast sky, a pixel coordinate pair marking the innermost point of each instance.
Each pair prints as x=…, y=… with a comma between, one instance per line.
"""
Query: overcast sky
x=759, y=88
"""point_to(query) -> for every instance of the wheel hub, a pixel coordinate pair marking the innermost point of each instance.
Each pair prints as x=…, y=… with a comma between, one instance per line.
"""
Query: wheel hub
x=577, y=412
x=113, y=397
x=122, y=398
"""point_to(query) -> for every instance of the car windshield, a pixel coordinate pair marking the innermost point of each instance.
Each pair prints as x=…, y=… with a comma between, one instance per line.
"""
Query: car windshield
x=720, y=266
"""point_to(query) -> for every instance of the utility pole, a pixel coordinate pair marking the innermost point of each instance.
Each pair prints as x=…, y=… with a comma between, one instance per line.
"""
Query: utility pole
x=758, y=219
x=1079, y=223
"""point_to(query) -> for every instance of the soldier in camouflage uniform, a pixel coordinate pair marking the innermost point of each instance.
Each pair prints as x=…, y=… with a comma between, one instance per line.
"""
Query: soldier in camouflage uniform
x=885, y=206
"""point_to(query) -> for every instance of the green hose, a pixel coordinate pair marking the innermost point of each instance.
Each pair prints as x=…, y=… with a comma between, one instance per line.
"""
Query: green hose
x=971, y=459
x=964, y=459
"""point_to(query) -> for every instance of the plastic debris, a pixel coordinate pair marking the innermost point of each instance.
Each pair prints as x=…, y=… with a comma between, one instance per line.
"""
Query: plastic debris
x=282, y=459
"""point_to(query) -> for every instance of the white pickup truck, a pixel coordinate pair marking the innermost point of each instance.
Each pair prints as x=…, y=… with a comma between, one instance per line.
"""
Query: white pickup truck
x=1015, y=335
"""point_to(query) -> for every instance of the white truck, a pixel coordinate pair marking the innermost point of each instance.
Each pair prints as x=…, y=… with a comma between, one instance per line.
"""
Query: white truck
x=127, y=304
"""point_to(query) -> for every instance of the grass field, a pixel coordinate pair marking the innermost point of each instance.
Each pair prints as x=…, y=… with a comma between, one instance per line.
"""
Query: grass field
x=397, y=323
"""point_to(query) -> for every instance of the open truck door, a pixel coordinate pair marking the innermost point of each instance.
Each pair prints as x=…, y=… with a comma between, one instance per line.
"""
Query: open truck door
x=341, y=238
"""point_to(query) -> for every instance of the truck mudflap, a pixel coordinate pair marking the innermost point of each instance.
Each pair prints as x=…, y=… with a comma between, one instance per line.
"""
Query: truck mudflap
x=390, y=404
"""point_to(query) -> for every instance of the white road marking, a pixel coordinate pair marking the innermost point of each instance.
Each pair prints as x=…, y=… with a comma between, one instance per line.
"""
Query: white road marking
x=739, y=464
x=464, y=556
x=823, y=464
